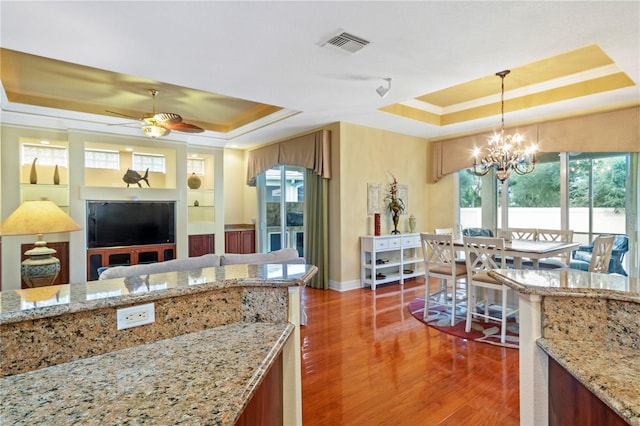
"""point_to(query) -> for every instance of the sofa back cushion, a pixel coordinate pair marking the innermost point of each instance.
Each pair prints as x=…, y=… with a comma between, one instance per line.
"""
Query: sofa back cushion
x=287, y=255
x=205, y=261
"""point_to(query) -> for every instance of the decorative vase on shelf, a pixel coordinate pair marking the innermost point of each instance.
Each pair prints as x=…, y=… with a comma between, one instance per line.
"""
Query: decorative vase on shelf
x=376, y=224
x=196, y=203
x=396, y=219
x=56, y=176
x=194, y=181
x=33, y=176
x=412, y=223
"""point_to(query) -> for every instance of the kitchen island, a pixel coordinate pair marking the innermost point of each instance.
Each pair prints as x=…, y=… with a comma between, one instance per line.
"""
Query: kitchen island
x=221, y=337
x=584, y=324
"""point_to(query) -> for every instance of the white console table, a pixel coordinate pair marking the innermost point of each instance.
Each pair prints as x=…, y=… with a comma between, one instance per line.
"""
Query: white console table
x=390, y=258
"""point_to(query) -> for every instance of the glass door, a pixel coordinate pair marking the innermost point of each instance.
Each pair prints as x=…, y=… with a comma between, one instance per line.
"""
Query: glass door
x=598, y=194
x=281, y=209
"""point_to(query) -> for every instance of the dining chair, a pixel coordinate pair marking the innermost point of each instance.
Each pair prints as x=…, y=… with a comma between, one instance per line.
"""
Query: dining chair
x=444, y=231
x=482, y=254
x=518, y=234
x=601, y=254
x=581, y=257
x=559, y=235
x=440, y=263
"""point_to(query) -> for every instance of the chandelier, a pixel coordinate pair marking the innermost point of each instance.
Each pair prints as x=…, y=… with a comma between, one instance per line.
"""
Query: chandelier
x=504, y=152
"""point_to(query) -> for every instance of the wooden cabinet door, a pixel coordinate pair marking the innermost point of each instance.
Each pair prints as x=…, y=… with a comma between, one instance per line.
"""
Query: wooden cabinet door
x=232, y=242
x=248, y=242
x=201, y=244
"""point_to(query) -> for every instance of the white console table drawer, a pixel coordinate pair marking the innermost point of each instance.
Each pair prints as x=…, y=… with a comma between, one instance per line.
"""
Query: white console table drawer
x=411, y=241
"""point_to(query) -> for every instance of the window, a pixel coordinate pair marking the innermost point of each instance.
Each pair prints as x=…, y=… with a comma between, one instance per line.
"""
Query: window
x=153, y=162
x=195, y=165
x=470, y=199
x=47, y=155
x=536, y=194
x=593, y=199
x=598, y=194
x=101, y=159
x=281, y=208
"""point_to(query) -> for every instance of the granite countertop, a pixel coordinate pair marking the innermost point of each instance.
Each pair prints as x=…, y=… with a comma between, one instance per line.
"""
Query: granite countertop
x=570, y=283
x=609, y=363
x=612, y=373
x=199, y=378
x=30, y=304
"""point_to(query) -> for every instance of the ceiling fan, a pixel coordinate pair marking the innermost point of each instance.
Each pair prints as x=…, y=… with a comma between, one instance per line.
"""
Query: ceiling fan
x=159, y=124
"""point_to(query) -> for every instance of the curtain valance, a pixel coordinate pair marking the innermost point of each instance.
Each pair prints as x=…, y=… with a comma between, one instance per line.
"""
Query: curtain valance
x=312, y=151
x=614, y=131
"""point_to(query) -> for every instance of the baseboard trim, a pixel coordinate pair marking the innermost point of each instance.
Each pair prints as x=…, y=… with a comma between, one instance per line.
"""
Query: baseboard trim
x=344, y=285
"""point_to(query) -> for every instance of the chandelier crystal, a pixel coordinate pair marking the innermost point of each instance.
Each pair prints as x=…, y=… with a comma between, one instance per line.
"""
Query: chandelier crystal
x=504, y=153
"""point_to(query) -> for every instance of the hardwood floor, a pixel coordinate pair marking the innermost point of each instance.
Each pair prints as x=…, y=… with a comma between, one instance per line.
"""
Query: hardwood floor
x=367, y=361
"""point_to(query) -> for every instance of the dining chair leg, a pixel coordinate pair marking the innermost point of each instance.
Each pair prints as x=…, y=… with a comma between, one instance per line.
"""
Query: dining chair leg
x=453, y=303
x=485, y=303
x=471, y=303
x=427, y=291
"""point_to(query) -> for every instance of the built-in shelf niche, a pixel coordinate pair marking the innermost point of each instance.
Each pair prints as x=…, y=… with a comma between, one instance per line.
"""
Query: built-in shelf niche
x=201, y=200
x=47, y=178
x=120, y=156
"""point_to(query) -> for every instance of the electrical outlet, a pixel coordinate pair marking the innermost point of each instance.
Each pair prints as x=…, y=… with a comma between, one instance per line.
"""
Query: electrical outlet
x=135, y=316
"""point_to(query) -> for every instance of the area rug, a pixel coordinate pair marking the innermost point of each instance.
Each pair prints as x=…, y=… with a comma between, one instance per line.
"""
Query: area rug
x=484, y=332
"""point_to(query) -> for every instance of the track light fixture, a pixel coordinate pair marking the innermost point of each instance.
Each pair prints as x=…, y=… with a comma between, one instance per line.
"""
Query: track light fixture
x=382, y=91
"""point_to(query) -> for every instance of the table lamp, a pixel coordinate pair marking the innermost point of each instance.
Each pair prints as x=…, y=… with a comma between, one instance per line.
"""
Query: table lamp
x=39, y=217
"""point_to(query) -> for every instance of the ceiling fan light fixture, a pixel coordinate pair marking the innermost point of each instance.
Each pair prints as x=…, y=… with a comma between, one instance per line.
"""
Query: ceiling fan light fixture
x=154, y=131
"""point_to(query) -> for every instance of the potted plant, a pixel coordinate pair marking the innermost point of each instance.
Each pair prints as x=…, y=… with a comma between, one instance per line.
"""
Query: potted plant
x=394, y=204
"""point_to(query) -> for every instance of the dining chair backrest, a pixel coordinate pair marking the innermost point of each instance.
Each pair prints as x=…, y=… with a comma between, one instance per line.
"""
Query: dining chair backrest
x=601, y=254
x=441, y=231
x=484, y=253
x=560, y=235
x=518, y=234
x=557, y=235
x=439, y=253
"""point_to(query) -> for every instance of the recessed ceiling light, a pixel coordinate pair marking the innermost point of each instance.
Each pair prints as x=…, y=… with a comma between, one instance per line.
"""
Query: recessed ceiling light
x=44, y=142
x=128, y=149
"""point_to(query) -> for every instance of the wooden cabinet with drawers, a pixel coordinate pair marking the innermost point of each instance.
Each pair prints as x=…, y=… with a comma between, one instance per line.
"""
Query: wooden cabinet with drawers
x=127, y=255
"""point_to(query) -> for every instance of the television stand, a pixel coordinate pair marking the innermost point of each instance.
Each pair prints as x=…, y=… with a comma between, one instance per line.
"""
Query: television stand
x=127, y=255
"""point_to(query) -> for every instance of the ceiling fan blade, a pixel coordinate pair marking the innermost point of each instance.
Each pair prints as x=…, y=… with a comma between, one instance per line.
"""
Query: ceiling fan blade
x=122, y=115
x=167, y=118
x=183, y=127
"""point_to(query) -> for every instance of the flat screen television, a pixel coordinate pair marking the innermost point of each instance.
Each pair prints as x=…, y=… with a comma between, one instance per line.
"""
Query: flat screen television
x=122, y=223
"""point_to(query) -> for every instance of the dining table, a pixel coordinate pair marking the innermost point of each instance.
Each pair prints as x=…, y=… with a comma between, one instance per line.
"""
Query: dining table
x=532, y=250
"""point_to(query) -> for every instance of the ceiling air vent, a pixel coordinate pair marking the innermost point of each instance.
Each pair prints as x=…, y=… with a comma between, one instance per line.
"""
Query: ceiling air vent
x=347, y=42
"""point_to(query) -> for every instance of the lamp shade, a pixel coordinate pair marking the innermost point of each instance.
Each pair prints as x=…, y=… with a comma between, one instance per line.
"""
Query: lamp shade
x=38, y=217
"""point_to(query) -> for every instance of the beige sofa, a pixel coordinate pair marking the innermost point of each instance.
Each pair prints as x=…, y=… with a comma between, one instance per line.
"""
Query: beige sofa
x=287, y=255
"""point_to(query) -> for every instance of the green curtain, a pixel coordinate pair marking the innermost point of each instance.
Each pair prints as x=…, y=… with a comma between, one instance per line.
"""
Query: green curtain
x=316, y=235
x=633, y=216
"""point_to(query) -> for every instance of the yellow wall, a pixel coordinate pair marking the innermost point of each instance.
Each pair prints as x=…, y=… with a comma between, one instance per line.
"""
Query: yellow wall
x=440, y=204
x=366, y=155
x=240, y=202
